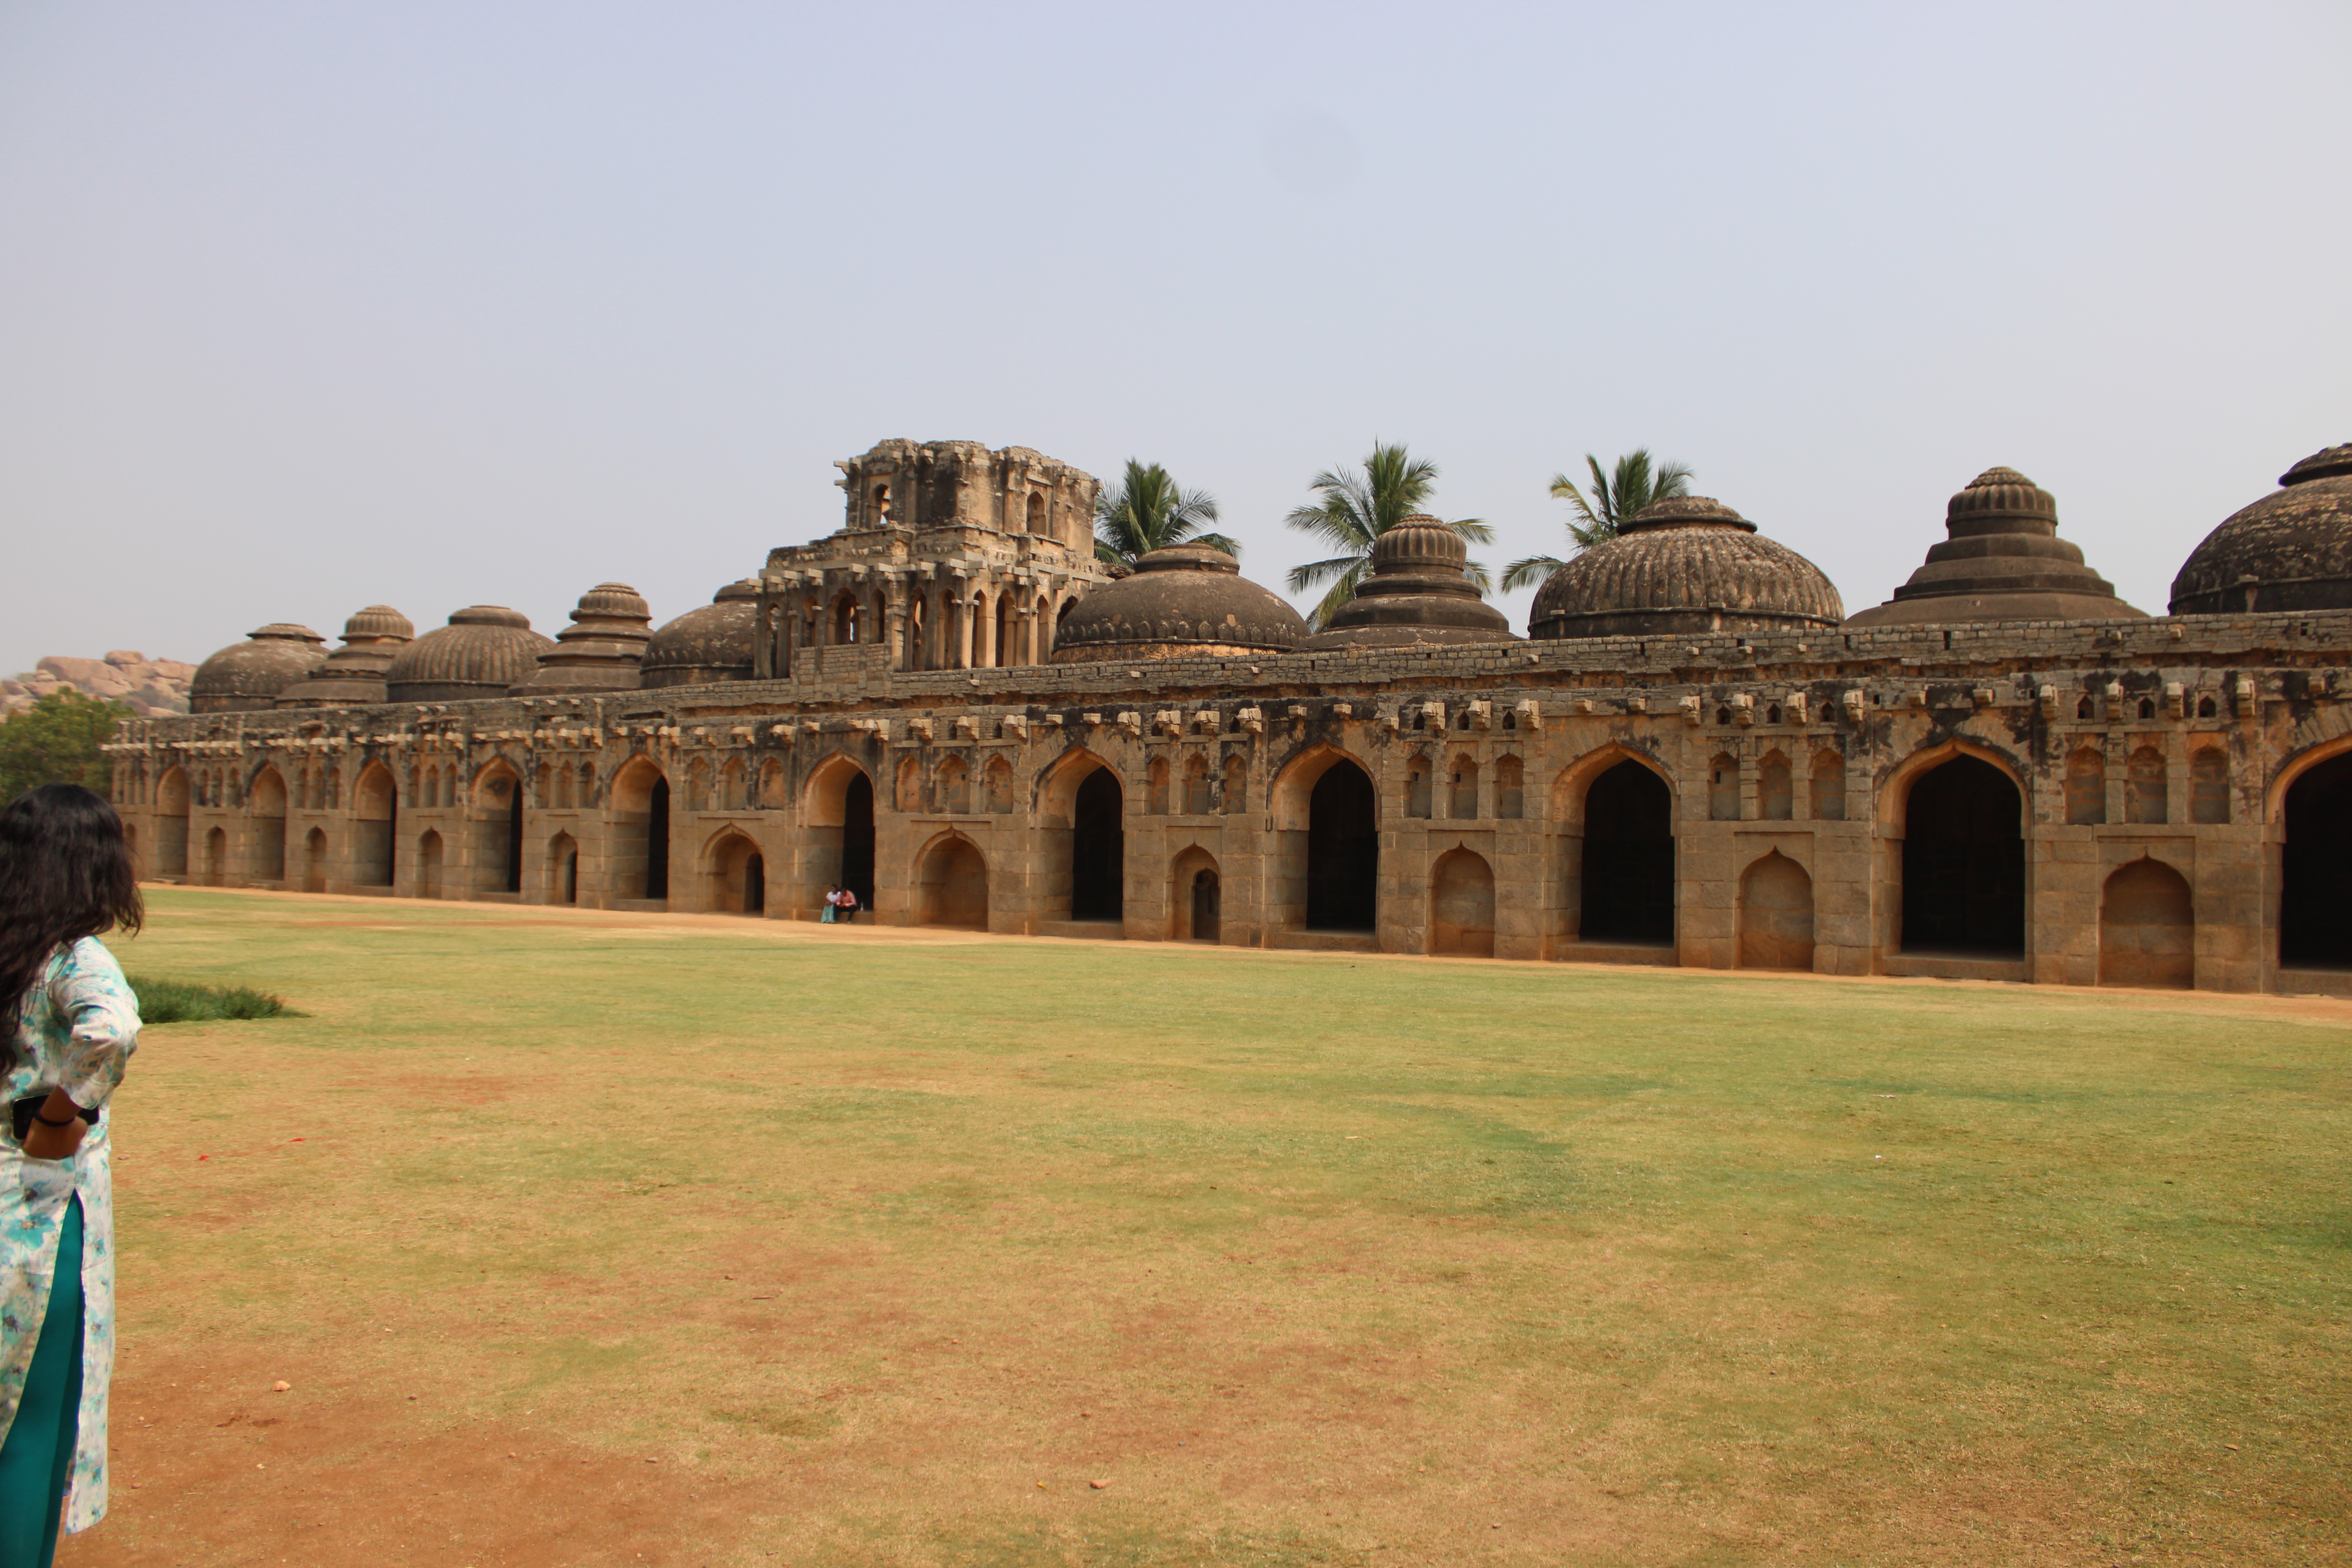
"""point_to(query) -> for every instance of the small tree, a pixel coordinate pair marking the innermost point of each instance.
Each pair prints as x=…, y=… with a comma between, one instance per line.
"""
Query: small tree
x=1150, y=511
x=1636, y=483
x=57, y=740
x=1356, y=509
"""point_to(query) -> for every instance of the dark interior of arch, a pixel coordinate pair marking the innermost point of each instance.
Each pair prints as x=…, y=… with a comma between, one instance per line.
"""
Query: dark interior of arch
x=1964, y=862
x=2314, y=911
x=514, y=838
x=1099, y=849
x=1343, y=851
x=1629, y=857
x=658, y=843
x=857, y=839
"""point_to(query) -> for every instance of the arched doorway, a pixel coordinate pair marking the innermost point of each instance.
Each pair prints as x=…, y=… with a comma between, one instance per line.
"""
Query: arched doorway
x=739, y=876
x=1964, y=862
x=171, y=825
x=377, y=803
x=1195, y=898
x=314, y=861
x=638, y=861
x=1776, y=915
x=266, y=807
x=563, y=869
x=428, y=865
x=840, y=815
x=1461, y=905
x=2147, y=928
x=498, y=830
x=1343, y=850
x=2315, y=914
x=1098, y=849
x=952, y=889
x=1627, y=892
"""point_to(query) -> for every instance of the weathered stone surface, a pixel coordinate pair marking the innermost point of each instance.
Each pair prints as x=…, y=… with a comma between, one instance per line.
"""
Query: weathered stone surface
x=2291, y=550
x=1685, y=565
x=2002, y=561
x=249, y=675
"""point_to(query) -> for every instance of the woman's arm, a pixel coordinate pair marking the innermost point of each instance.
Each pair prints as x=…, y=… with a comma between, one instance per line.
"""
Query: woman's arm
x=45, y=1139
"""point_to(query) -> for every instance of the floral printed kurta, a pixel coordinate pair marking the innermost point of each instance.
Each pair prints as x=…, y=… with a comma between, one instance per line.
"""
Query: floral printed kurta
x=75, y=1029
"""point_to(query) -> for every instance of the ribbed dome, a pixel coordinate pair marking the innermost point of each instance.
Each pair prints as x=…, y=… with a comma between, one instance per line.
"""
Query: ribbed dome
x=1685, y=564
x=600, y=649
x=352, y=676
x=483, y=650
x=2291, y=550
x=1185, y=602
x=1417, y=591
x=708, y=645
x=247, y=676
x=2002, y=561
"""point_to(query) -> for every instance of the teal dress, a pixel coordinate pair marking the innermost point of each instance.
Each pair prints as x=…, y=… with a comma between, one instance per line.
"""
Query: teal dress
x=75, y=1029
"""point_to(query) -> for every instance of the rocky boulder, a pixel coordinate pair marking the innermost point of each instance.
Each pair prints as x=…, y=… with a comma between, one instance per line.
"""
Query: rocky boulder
x=148, y=687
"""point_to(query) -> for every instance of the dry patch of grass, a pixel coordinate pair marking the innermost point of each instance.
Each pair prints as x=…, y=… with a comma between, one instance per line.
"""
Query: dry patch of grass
x=883, y=1250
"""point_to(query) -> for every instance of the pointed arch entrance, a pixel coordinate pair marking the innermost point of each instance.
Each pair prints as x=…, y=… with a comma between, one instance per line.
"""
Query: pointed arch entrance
x=1461, y=905
x=637, y=866
x=1343, y=850
x=2147, y=928
x=951, y=885
x=1776, y=915
x=1627, y=886
x=1964, y=862
x=840, y=815
x=2315, y=915
x=1098, y=849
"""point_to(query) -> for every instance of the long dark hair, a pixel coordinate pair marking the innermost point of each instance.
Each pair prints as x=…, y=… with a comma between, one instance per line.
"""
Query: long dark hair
x=65, y=874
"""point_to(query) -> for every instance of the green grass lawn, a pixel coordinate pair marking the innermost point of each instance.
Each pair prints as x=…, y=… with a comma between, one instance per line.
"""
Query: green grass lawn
x=883, y=1248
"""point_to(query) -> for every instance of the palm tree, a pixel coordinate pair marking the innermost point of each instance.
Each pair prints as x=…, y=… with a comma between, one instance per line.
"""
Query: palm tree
x=1356, y=509
x=1636, y=486
x=1149, y=512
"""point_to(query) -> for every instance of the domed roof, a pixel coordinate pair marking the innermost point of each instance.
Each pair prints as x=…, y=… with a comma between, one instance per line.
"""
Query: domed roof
x=1417, y=591
x=1185, y=602
x=483, y=650
x=2003, y=561
x=2291, y=550
x=352, y=676
x=1685, y=564
x=600, y=650
x=708, y=645
x=247, y=676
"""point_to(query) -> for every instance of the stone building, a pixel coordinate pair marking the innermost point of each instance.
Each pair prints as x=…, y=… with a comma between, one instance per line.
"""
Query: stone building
x=1697, y=759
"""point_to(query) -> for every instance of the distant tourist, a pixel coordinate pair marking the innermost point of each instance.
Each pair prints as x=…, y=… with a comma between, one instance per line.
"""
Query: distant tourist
x=70, y=1025
x=849, y=905
x=831, y=905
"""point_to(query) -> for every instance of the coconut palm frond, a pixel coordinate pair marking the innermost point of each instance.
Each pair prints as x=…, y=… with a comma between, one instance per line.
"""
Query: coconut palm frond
x=1148, y=511
x=1528, y=571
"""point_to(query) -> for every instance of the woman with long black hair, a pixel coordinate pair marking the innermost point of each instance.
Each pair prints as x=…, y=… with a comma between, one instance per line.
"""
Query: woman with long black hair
x=69, y=1023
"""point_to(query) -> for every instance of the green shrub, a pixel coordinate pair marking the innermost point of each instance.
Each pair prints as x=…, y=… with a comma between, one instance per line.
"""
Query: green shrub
x=179, y=1002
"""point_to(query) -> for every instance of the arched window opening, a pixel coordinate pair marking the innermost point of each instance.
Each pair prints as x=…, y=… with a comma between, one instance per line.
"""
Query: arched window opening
x=1236, y=784
x=1155, y=796
x=1722, y=715
x=2147, y=928
x=738, y=877
x=1510, y=789
x=881, y=506
x=1343, y=851
x=2205, y=709
x=999, y=785
x=497, y=840
x=2085, y=709
x=172, y=824
x=1964, y=862
x=1776, y=915
x=1036, y=519
x=908, y=796
x=1098, y=849
x=955, y=787
x=1462, y=786
x=2147, y=792
x=1417, y=789
x=1001, y=648
x=1723, y=788
x=2147, y=708
x=1196, y=786
x=314, y=861
x=1420, y=718
x=2316, y=864
x=1511, y=719
x=1772, y=713
x=1462, y=719
x=2208, y=786
x=731, y=786
x=1628, y=886
x=1461, y=905
x=952, y=887
x=2087, y=788
x=377, y=804
x=563, y=869
x=848, y=615
x=1775, y=788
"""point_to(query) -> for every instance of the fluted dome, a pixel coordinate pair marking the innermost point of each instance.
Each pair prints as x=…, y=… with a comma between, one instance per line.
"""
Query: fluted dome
x=2003, y=561
x=483, y=650
x=2291, y=550
x=353, y=674
x=600, y=650
x=1685, y=564
x=1417, y=591
x=247, y=676
x=1185, y=602
x=708, y=645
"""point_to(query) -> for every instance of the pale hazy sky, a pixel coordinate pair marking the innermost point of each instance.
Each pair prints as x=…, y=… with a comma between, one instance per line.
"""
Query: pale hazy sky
x=304, y=305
